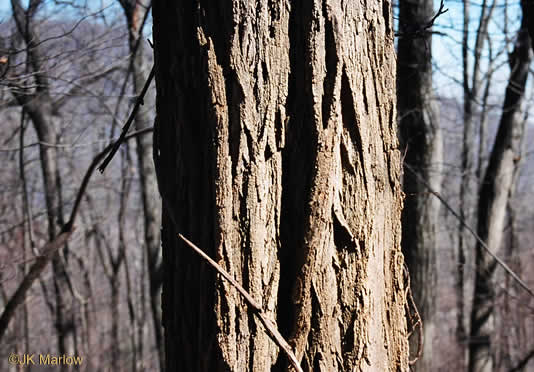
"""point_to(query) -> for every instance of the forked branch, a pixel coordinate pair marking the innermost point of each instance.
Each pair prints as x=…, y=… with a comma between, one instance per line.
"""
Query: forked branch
x=48, y=250
x=420, y=30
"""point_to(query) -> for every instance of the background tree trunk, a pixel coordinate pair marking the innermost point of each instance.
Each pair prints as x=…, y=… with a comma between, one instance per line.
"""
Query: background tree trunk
x=422, y=144
x=39, y=106
x=492, y=201
x=472, y=87
x=136, y=12
x=276, y=152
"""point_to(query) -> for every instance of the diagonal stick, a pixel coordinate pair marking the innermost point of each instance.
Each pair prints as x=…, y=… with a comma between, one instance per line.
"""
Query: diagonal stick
x=269, y=325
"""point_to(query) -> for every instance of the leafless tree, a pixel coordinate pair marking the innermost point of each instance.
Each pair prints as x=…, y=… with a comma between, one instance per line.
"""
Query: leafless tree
x=136, y=13
x=422, y=147
x=493, y=198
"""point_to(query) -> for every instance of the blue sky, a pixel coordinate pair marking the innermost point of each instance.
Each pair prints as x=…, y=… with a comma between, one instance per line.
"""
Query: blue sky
x=50, y=6
x=446, y=49
x=4, y=6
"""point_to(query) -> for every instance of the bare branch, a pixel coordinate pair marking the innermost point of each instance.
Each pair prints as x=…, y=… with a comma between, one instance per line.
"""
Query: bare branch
x=418, y=30
x=523, y=362
x=92, y=167
x=139, y=102
x=80, y=86
x=20, y=294
x=468, y=228
x=48, y=250
x=415, y=321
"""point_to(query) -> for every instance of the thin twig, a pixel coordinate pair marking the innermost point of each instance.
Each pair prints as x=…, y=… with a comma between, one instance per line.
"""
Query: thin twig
x=92, y=167
x=126, y=127
x=131, y=64
x=40, y=263
x=523, y=362
x=418, y=324
x=468, y=228
x=269, y=325
x=418, y=30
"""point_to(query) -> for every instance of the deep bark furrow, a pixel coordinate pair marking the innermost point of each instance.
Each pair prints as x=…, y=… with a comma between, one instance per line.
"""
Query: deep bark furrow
x=274, y=102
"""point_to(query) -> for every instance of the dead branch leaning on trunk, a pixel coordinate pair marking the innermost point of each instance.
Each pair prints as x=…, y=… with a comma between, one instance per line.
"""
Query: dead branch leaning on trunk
x=256, y=308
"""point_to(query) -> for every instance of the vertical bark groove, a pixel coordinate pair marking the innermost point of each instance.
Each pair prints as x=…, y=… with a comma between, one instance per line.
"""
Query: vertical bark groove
x=289, y=183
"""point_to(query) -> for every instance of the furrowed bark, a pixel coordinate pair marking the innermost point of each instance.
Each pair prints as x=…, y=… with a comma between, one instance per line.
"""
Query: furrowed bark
x=276, y=152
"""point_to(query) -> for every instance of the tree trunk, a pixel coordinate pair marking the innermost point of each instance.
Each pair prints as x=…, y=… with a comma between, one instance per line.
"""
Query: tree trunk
x=493, y=198
x=151, y=208
x=472, y=84
x=276, y=152
x=115, y=319
x=38, y=105
x=135, y=12
x=422, y=144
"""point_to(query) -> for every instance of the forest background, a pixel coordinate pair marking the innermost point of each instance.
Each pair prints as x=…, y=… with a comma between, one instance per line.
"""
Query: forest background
x=100, y=297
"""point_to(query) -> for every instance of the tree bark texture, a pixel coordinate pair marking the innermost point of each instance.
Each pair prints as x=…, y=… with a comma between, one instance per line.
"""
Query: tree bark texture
x=493, y=198
x=422, y=146
x=276, y=152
